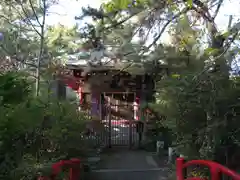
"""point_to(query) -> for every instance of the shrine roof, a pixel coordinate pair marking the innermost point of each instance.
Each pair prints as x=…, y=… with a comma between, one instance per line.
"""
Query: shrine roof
x=80, y=61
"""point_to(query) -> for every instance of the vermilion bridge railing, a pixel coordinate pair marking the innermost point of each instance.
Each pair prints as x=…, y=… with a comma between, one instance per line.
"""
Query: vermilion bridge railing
x=74, y=166
x=215, y=170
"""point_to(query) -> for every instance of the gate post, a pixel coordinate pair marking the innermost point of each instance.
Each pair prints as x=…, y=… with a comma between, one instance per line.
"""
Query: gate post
x=130, y=133
x=179, y=166
x=109, y=126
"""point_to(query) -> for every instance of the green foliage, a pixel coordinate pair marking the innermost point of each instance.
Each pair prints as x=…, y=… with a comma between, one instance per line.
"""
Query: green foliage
x=211, y=51
x=190, y=3
x=201, y=111
x=118, y=5
x=35, y=132
x=13, y=88
x=62, y=40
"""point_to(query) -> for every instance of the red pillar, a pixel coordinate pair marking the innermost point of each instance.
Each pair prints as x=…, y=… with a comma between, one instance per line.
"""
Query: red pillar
x=215, y=173
x=73, y=164
x=74, y=173
x=136, y=108
x=80, y=94
x=43, y=178
x=179, y=166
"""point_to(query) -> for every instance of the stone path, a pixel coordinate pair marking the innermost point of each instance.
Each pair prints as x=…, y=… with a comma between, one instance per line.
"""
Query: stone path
x=130, y=165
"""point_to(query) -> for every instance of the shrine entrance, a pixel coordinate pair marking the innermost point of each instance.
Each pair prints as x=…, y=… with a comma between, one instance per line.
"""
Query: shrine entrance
x=117, y=113
x=119, y=117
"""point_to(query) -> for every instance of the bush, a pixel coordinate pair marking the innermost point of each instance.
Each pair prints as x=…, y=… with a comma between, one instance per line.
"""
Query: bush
x=202, y=113
x=35, y=132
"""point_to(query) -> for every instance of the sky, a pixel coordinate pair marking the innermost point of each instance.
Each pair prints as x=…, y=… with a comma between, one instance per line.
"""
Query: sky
x=66, y=10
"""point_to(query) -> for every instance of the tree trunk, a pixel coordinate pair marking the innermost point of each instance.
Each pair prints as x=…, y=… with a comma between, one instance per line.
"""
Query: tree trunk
x=61, y=90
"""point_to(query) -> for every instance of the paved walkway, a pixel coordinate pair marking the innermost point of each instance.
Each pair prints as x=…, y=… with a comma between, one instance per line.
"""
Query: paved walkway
x=130, y=165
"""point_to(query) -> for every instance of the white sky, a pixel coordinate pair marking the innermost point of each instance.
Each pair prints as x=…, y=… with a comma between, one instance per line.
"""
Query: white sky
x=66, y=10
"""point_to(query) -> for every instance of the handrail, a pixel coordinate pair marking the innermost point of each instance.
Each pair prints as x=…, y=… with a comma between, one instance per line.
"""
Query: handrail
x=74, y=166
x=215, y=169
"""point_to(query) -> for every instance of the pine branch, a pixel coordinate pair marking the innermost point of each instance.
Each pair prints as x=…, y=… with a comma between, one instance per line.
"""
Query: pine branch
x=166, y=25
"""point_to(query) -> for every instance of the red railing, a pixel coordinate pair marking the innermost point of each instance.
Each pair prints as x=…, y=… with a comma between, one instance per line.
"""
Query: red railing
x=215, y=169
x=74, y=166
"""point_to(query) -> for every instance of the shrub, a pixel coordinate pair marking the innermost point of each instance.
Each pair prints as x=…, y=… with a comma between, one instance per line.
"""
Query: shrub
x=35, y=132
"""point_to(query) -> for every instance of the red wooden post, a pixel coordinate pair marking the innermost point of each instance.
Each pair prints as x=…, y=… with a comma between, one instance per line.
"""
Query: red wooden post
x=179, y=166
x=74, y=173
x=43, y=178
x=215, y=173
x=56, y=169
